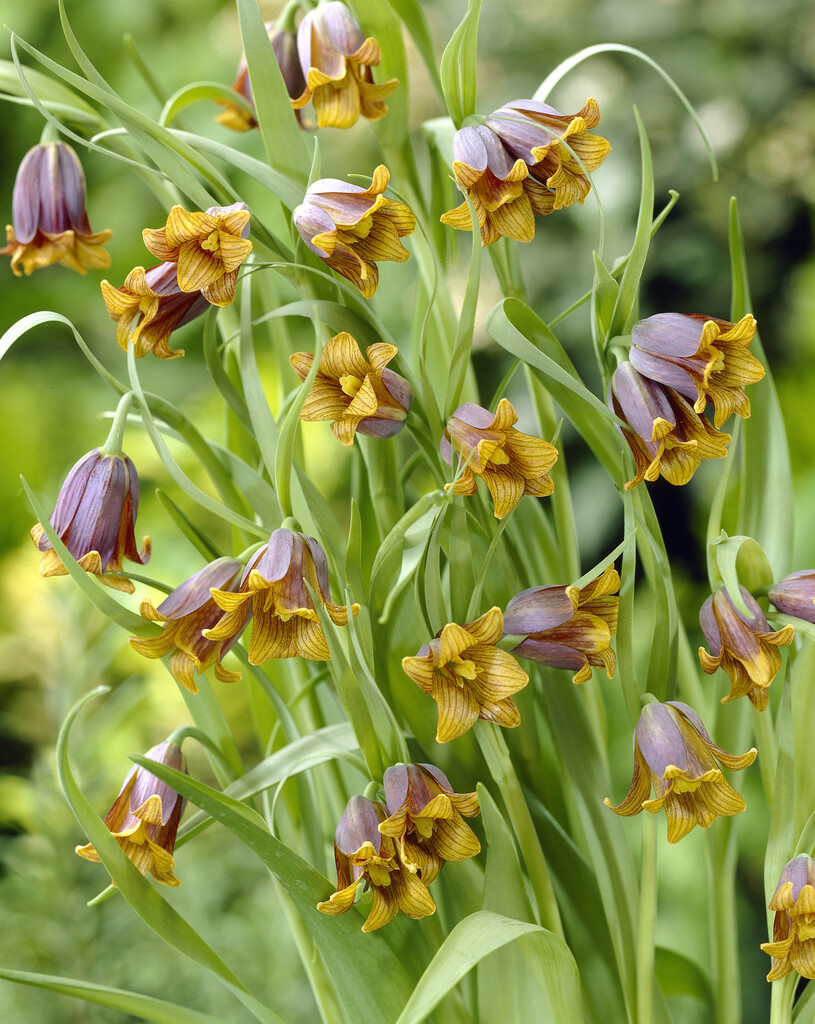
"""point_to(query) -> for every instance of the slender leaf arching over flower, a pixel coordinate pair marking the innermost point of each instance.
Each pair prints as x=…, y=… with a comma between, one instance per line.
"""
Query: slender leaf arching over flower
x=700, y=357
x=284, y=44
x=145, y=815
x=363, y=853
x=793, y=945
x=468, y=676
x=273, y=589
x=352, y=228
x=186, y=612
x=50, y=223
x=423, y=808
x=149, y=307
x=336, y=60
x=674, y=753
x=795, y=595
x=207, y=248
x=355, y=392
x=510, y=463
x=567, y=627
x=666, y=436
x=94, y=518
x=743, y=645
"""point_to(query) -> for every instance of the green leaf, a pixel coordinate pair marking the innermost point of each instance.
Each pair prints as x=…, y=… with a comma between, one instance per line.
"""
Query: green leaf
x=741, y=560
x=351, y=957
x=54, y=96
x=458, y=66
x=606, y=292
x=460, y=359
x=196, y=537
x=479, y=935
x=413, y=16
x=678, y=975
x=195, y=93
x=132, y=1003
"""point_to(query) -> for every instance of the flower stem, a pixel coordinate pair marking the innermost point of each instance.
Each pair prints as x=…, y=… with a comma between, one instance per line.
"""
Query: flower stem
x=783, y=993
x=113, y=446
x=647, y=921
x=194, y=733
x=722, y=848
x=494, y=748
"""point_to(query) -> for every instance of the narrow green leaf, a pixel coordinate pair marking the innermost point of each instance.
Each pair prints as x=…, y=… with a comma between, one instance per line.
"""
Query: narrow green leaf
x=54, y=96
x=606, y=292
x=678, y=975
x=458, y=66
x=196, y=537
x=411, y=13
x=460, y=359
x=195, y=92
x=741, y=560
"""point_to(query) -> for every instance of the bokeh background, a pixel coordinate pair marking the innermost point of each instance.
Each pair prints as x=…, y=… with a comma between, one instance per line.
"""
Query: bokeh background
x=746, y=65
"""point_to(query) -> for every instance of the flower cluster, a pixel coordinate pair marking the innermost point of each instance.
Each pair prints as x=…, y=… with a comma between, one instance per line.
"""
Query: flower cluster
x=399, y=847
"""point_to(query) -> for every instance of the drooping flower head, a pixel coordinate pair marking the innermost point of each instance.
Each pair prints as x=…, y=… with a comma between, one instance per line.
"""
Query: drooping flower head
x=207, y=248
x=793, y=945
x=355, y=392
x=145, y=815
x=284, y=44
x=567, y=627
x=149, y=307
x=795, y=595
x=521, y=163
x=510, y=463
x=424, y=809
x=94, y=518
x=743, y=645
x=363, y=853
x=667, y=437
x=468, y=676
x=701, y=357
x=336, y=60
x=352, y=228
x=272, y=586
x=674, y=753
x=48, y=209
x=187, y=611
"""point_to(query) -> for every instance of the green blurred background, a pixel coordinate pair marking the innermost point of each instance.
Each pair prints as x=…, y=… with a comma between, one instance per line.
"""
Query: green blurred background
x=745, y=65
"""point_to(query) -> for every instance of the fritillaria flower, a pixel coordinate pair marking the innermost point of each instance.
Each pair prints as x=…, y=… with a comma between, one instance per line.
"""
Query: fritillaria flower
x=363, y=853
x=510, y=463
x=273, y=586
x=795, y=595
x=284, y=44
x=666, y=436
x=674, y=753
x=208, y=249
x=423, y=808
x=149, y=307
x=48, y=210
x=336, y=60
x=355, y=392
x=352, y=228
x=702, y=358
x=793, y=945
x=743, y=645
x=468, y=676
x=145, y=815
x=567, y=627
x=94, y=518
x=188, y=610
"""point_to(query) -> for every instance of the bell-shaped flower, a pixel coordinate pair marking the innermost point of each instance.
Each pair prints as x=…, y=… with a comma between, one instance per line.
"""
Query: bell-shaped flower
x=510, y=463
x=352, y=228
x=273, y=588
x=284, y=44
x=423, y=808
x=149, y=307
x=336, y=60
x=702, y=358
x=363, y=853
x=355, y=392
x=743, y=645
x=567, y=627
x=793, y=945
x=50, y=223
x=468, y=676
x=94, y=518
x=145, y=815
x=674, y=753
x=186, y=612
x=207, y=248
x=795, y=595
x=666, y=436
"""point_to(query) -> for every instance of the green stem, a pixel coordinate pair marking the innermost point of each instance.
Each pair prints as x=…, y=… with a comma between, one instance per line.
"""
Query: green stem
x=767, y=744
x=647, y=921
x=113, y=446
x=783, y=993
x=494, y=748
x=193, y=732
x=724, y=923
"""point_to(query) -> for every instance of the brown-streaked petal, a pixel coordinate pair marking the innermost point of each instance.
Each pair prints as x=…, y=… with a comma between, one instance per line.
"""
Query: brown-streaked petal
x=457, y=707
